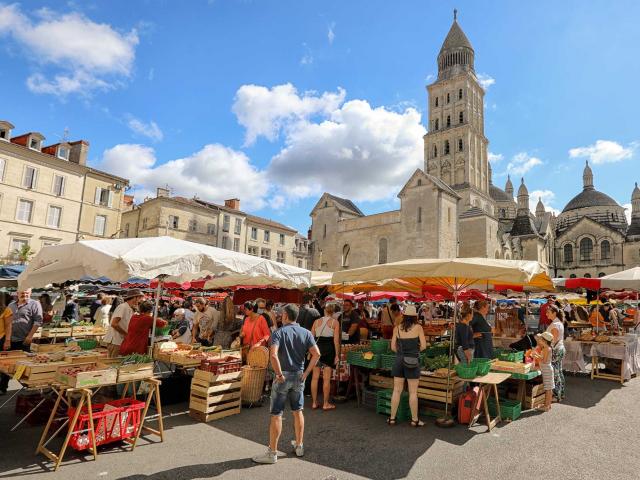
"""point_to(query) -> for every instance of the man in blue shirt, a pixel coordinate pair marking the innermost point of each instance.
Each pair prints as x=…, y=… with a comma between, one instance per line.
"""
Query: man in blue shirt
x=289, y=347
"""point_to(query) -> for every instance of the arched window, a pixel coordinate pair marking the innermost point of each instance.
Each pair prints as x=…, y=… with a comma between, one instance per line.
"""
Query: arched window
x=461, y=117
x=419, y=215
x=345, y=255
x=587, y=275
x=503, y=212
x=459, y=144
x=586, y=250
x=382, y=250
x=605, y=250
x=601, y=274
x=448, y=121
x=446, y=147
x=436, y=124
x=568, y=253
x=324, y=233
x=435, y=151
x=436, y=101
x=573, y=275
x=448, y=98
x=419, y=182
x=460, y=98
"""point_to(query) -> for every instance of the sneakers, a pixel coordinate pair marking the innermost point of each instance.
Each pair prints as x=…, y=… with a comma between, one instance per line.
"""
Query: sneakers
x=299, y=449
x=268, y=458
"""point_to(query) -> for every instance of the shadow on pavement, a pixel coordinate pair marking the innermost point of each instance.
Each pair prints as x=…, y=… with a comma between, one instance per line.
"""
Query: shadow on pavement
x=582, y=392
x=203, y=470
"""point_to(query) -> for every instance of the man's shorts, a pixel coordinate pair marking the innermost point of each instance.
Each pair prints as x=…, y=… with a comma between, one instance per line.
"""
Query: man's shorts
x=291, y=388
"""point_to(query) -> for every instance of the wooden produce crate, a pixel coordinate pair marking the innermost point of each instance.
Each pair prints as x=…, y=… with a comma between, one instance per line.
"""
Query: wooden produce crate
x=47, y=347
x=534, y=396
x=78, y=330
x=184, y=361
x=9, y=358
x=512, y=367
x=82, y=358
x=39, y=372
x=135, y=371
x=104, y=375
x=215, y=396
x=56, y=332
x=380, y=381
x=434, y=388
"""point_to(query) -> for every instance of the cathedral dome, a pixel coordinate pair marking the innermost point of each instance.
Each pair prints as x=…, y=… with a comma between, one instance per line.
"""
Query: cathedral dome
x=456, y=54
x=590, y=198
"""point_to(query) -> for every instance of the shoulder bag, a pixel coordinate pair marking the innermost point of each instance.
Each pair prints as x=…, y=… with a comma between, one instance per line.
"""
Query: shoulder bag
x=408, y=361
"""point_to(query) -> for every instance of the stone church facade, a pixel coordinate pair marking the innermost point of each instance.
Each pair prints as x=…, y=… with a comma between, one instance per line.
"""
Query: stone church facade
x=451, y=208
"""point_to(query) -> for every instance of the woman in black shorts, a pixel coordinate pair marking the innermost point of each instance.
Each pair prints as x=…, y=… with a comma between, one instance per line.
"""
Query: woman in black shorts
x=326, y=330
x=407, y=341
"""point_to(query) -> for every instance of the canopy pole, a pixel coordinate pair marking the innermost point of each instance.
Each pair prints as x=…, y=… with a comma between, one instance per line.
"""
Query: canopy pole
x=447, y=421
x=155, y=312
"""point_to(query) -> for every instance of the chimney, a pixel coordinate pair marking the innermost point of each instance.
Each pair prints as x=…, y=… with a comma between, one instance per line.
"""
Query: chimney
x=79, y=152
x=233, y=203
x=162, y=192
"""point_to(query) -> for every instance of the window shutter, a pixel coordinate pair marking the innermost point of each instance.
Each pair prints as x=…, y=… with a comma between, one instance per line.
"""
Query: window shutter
x=97, y=199
x=34, y=182
x=110, y=203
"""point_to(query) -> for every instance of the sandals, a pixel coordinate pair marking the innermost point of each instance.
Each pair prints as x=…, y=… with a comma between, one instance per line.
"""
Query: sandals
x=391, y=421
x=417, y=423
x=329, y=407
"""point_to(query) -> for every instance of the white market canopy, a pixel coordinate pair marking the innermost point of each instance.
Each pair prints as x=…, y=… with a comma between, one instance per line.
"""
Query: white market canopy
x=153, y=257
x=624, y=280
x=453, y=273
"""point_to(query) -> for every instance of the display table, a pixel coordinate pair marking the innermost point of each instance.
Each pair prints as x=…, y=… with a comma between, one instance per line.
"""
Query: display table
x=489, y=385
x=628, y=353
x=83, y=399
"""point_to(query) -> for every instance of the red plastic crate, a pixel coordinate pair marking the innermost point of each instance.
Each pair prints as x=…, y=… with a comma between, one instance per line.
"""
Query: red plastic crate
x=219, y=366
x=120, y=420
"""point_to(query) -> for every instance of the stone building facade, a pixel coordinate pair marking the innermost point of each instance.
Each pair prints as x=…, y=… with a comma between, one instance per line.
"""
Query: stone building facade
x=452, y=208
x=49, y=196
x=223, y=226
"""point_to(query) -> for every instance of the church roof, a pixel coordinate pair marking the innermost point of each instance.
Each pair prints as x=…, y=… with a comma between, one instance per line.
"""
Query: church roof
x=634, y=228
x=590, y=198
x=455, y=39
x=473, y=212
x=523, y=225
x=498, y=194
x=346, y=204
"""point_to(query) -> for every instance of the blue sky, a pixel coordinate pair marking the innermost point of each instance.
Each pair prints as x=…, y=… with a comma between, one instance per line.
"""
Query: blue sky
x=277, y=101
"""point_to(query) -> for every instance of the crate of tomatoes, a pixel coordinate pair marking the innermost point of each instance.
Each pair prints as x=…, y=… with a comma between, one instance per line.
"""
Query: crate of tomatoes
x=220, y=365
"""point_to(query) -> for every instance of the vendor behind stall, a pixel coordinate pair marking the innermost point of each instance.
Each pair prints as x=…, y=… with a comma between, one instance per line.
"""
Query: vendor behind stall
x=351, y=322
x=465, y=344
x=482, y=335
x=205, y=322
x=140, y=325
x=181, y=332
x=120, y=321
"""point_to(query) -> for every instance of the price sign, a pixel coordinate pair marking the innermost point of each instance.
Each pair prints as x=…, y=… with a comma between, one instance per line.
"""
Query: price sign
x=19, y=371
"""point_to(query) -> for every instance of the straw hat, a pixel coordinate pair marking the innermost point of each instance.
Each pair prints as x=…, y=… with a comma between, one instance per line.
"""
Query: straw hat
x=547, y=336
x=410, y=311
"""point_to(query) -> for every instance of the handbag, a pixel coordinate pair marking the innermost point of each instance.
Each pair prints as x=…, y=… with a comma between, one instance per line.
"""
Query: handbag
x=408, y=361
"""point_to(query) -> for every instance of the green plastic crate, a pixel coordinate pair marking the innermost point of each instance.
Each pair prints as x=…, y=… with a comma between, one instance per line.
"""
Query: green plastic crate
x=466, y=371
x=356, y=359
x=510, y=409
x=511, y=356
x=383, y=404
x=380, y=346
x=387, y=361
x=87, y=344
x=436, y=351
x=483, y=366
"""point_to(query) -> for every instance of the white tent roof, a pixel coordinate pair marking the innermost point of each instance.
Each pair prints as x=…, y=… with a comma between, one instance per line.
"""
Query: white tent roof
x=179, y=260
x=627, y=279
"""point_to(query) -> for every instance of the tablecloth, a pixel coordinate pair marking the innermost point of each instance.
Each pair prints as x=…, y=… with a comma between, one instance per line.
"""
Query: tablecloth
x=628, y=353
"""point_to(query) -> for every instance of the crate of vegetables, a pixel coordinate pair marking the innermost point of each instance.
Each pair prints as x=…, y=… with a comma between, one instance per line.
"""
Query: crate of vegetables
x=135, y=367
x=219, y=365
x=86, y=375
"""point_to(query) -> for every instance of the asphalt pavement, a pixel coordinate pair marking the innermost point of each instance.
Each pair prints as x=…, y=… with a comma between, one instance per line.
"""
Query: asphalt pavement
x=593, y=434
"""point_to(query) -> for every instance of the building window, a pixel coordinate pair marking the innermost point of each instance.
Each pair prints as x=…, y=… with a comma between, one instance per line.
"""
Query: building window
x=253, y=251
x=324, y=233
x=100, y=225
x=601, y=274
x=282, y=239
x=382, y=250
x=460, y=145
x=435, y=151
x=53, y=217
x=419, y=214
x=449, y=215
x=299, y=263
x=573, y=275
x=448, y=98
x=34, y=144
x=254, y=233
x=225, y=242
x=460, y=94
x=436, y=124
x=63, y=153
x=345, y=255
x=104, y=197
x=587, y=275
x=265, y=253
x=174, y=222
x=605, y=250
x=280, y=256
x=2, y=164
x=586, y=250
x=238, y=226
x=503, y=213
x=446, y=147
x=211, y=229
x=448, y=121
x=144, y=223
x=236, y=244
x=267, y=236
x=226, y=221
x=4, y=134
x=58, y=185
x=436, y=101
x=419, y=182
x=30, y=178
x=25, y=209
x=126, y=230
x=461, y=117
x=193, y=225
x=17, y=244
x=568, y=253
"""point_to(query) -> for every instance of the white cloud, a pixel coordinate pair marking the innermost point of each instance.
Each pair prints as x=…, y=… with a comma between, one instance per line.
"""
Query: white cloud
x=331, y=35
x=267, y=111
x=277, y=202
x=627, y=211
x=521, y=163
x=88, y=56
x=214, y=173
x=548, y=199
x=604, y=151
x=150, y=130
x=495, y=158
x=359, y=152
x=486, y=80
x=307, y=59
